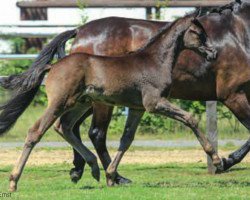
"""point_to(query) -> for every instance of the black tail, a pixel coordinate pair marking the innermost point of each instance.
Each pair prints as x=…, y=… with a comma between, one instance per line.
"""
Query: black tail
x=26, y=85
x=25, y=80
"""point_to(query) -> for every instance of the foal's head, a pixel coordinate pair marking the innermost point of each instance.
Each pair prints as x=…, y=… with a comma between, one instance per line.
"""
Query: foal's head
x=195, y=38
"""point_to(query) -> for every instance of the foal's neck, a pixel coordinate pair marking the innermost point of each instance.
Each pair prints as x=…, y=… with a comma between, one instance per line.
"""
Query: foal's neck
x=167, y=48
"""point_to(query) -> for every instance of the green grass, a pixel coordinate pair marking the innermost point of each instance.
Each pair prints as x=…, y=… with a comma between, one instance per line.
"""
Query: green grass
x=18, y=133
x=170, y=181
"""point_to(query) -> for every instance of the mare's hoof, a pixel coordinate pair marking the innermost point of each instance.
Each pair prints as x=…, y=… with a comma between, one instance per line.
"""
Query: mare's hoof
x=119, y=180
x=95, y=171
x=75, y=174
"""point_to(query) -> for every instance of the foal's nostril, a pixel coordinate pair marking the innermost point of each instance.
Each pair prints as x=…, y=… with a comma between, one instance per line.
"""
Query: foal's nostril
x=211, y=53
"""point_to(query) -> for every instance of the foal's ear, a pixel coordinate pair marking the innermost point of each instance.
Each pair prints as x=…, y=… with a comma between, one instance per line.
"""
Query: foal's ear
x=197, y=12
x=48, y=67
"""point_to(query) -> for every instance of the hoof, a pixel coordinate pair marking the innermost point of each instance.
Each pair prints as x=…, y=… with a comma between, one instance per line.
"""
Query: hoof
x=110, y=179
x=219, y=166
x=13, y=186
x=95, y=171
x=110, y=182
x=119, y=180
x=75, y=174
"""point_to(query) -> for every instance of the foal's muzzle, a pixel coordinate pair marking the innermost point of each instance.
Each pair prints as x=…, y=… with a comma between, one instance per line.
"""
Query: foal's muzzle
x=209, y=52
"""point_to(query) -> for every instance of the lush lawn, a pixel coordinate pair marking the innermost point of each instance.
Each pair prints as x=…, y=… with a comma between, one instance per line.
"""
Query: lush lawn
x=171, y=181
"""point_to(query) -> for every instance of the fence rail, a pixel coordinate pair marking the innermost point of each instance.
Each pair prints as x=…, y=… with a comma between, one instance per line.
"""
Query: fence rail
x=18, y=56
x=119, y=3
x=40, y=24
x=32, y=32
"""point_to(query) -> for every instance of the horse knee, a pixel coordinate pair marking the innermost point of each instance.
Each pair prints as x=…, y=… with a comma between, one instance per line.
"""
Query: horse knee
x=34, y=136
x=93, y=133
x=208, y=147
x=96, y=134
x=57, y=127
x=191, y=121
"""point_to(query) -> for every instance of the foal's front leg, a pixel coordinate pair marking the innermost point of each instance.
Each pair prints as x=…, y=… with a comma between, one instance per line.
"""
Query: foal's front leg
x=162, y=106
x=133, y=120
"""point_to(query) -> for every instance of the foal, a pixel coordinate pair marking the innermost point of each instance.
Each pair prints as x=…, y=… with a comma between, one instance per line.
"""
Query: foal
x=140, y=80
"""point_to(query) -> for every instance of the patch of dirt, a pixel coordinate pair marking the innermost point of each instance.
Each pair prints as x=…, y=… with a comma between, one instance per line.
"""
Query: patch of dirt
x=44, y=157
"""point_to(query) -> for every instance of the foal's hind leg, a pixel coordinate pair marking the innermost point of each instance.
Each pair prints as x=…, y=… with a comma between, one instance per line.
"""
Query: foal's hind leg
x=155, y=104
x=133, y=120
x=68, y=121
x=34, y=135
x=239, y=105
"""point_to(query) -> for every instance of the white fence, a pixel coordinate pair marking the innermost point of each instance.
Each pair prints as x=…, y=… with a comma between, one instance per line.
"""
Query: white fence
x=31, y=30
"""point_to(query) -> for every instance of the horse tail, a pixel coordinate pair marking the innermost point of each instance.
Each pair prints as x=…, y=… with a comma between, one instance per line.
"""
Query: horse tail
x=24, y=80
x=26, y=84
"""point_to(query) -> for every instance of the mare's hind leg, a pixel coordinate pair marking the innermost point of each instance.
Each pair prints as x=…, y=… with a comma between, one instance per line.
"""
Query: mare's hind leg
x=239, y=105
x=79, y=163
x=133, y=120
x=101, y=118
x=34, y=135
x=68, y=121
x=155, y=104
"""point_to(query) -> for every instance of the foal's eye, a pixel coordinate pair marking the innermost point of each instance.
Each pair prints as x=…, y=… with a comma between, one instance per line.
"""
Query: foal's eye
x=202, y=37
x=194, y=33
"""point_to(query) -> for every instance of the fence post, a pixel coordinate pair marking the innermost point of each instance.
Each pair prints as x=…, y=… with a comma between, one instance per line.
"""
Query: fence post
x=34, y=14
x=211, y=112
x=149, y=13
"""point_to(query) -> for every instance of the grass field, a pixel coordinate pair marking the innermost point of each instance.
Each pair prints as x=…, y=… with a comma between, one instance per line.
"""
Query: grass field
x=183, y=177
x=168, y=181
x=156, y=174
x=18, y=133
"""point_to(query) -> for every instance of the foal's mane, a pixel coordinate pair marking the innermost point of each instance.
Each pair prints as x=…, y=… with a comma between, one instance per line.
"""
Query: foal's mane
x=162, y=31
x=230, y=6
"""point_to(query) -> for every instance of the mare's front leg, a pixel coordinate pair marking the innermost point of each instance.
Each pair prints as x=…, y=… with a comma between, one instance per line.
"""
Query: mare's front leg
x=239, y=105
x=133, y=120
x=153, y=103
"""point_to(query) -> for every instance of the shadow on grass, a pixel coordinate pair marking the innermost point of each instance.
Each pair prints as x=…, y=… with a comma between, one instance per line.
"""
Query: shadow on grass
x=53, y=170
x=91, y=187
x=237, y=169
x=5, y=170
x=219, y=184
x=159, y=167
x=173, y=167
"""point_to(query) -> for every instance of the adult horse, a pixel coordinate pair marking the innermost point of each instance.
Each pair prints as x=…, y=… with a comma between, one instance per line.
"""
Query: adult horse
x=228, y=30
x=140, y=80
